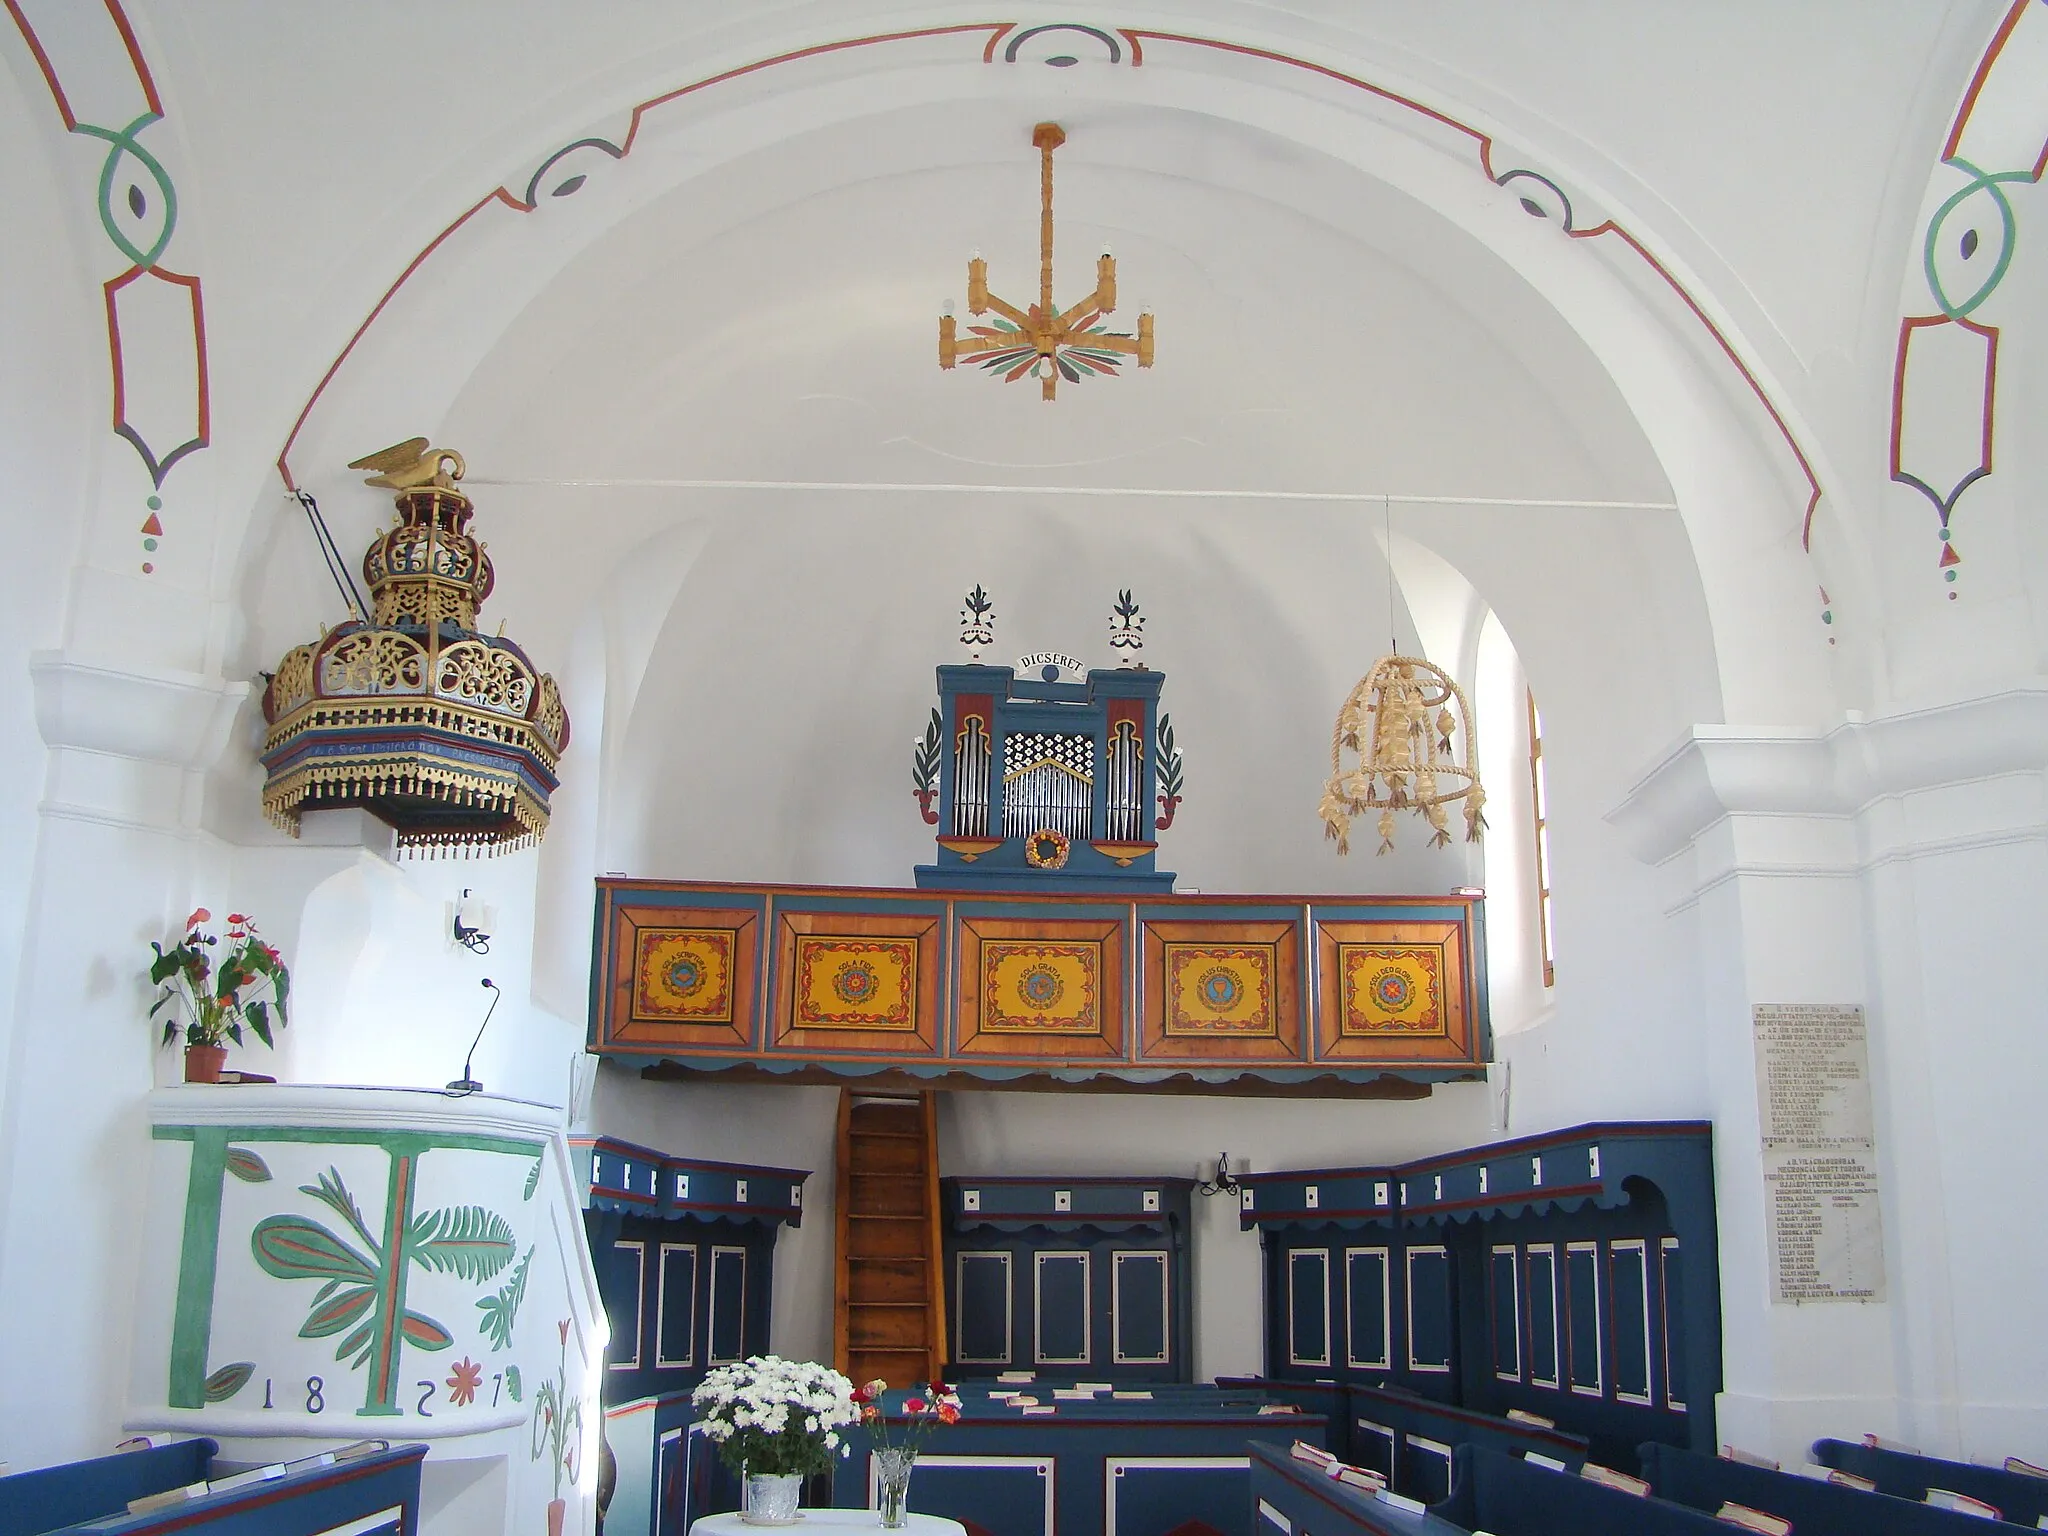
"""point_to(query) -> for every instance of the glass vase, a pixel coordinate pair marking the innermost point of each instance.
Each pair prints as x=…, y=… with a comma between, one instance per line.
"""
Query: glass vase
x=772, y=1499
x=892, y=1477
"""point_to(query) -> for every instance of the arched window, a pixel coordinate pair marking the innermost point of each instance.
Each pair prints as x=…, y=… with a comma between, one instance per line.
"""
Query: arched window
x=1521, y=973
x=1539, y=807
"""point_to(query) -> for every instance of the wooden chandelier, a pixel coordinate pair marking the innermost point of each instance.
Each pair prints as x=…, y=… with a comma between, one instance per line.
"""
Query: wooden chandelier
x=1043, y=341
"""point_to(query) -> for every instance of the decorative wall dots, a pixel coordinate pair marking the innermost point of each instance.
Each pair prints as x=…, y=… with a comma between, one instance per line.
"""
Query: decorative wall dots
x=1827, y=612
x=156, y=329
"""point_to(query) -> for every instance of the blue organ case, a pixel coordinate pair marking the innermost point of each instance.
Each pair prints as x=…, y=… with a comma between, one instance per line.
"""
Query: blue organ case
x=1049, y=785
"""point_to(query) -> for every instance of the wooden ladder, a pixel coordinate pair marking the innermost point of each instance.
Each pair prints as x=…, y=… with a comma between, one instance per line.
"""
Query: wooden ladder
x=889, y=1302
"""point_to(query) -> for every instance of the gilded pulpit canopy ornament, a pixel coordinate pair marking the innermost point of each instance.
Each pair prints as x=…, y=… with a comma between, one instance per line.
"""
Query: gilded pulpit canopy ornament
x=1413, y=752
x=1047, y=343
x=412, y=463
x=449, y=735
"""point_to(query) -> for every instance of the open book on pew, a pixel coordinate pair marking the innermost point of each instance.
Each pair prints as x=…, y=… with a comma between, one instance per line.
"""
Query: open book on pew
x=1753, y=1519
x=1963, y=1504
x=1327, y=1464
x=1837, y=1476
x=1750, y=1458
x=1607, y=1477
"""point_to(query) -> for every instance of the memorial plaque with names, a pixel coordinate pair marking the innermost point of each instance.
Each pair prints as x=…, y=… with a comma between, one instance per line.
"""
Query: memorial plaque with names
x=1819, y=1152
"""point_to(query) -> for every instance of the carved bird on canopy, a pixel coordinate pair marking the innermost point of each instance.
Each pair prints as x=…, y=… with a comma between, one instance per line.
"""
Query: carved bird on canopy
x=410, y=464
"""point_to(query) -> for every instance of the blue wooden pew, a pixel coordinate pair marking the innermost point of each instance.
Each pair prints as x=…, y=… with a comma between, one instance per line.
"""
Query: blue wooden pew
x=305, y=1503
x=1814, y=1508
x=1506, y=1496
x=1288, y=1499
x=1326, y=1399
x=1410, y=1440
x=1089, y=1469
x=51, y=1498
x=2020, y=1499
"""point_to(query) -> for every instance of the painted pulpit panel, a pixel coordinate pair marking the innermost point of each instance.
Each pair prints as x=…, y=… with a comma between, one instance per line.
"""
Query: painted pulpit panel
x=332, y=1264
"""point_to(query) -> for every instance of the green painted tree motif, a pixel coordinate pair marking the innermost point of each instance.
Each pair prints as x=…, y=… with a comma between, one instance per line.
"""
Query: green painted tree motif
x=362, y=1292
x=501, y=1311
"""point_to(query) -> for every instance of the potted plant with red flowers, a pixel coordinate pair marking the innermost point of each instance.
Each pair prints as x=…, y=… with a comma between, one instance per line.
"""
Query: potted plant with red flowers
x=221, y=982
x=896, y=1456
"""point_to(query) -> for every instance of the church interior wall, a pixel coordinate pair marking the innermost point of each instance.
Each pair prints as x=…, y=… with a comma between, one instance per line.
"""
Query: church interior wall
x=746, y=667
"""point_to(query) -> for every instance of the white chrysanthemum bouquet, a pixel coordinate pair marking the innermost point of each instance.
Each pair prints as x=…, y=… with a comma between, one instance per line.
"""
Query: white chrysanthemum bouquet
x=771, y=1416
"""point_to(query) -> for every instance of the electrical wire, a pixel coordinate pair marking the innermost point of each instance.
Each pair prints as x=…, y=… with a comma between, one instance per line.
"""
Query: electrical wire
x=330, y=555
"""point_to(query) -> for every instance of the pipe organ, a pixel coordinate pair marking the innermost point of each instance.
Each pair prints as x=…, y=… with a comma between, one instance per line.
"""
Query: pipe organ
x=1046, y=782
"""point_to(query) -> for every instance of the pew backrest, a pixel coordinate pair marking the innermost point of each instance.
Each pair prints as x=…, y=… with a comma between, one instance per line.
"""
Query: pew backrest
x=50, y=1498
x=1411, y=1439
x=1289, y=1498
x=1507, y=1497
x=374, y=1495
x=2021, y=1499
x=1814, y=1508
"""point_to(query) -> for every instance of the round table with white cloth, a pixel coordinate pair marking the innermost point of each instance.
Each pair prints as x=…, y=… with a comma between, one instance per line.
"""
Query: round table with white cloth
x=835, y=1521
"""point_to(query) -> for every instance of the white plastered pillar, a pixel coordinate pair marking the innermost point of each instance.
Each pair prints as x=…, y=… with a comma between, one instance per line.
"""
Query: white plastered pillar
x=116, y=849
x=1877, y=863
x=1757, y=848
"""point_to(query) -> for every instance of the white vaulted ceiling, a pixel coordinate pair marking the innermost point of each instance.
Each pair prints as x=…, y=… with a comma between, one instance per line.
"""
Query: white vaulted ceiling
x=1347, y=304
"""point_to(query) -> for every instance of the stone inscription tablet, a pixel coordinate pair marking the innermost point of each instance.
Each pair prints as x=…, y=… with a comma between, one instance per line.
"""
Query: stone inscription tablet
x=1819, y=1152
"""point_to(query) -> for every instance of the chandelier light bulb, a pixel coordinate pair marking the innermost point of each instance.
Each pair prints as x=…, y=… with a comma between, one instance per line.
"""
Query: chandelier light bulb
x=947, y=308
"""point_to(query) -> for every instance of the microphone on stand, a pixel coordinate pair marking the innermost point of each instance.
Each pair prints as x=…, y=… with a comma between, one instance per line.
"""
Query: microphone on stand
x=466, y=1083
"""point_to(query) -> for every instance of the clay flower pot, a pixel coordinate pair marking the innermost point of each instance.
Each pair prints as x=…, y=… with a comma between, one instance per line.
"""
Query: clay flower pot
x=555, y=1512
x=203, y=1063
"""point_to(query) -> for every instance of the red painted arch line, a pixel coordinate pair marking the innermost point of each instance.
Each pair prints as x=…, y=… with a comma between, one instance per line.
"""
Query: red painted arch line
x=994, y=32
